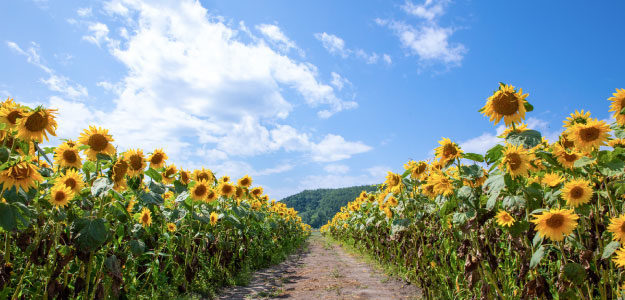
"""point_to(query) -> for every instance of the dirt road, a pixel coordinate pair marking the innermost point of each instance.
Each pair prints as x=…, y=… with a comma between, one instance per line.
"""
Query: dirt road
x=322, y=270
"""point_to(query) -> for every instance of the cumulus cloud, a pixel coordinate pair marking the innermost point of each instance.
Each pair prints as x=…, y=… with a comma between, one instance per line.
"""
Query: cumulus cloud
x=335, y=148
x=336, y=46
x=278, y=38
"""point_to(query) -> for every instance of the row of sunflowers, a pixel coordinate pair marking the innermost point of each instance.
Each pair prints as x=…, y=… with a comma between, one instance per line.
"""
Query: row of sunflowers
x=529, y=219
x=86, y=222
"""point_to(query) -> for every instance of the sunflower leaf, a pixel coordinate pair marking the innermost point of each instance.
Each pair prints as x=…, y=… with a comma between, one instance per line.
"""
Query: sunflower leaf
x=154, y=174
x=88, y=234
x=473, y=157
x=537, y=257
x=622, y=112
x=137, y=247
x=101, y=186
x=528, y=139
x=575, y=273
x=494, y=154
x=584, y=161
x=609, y=249
x=528, y=106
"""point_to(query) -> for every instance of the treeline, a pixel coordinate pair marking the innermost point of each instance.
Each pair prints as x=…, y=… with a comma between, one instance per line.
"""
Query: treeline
x=316, y=207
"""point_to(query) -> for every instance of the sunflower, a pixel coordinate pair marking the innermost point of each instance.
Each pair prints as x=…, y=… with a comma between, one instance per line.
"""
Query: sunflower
x=168, y=195
x=98, y=140
x=224, y=179
x=555, y=224
x=388, y=212
x=566, y=157
x=73, y=180
x=22, y=174
x=619, y=259
x=617, y=143
x=516, y=129
x=200, y=190
x=516, y=161
x=226, y=189
x=60, y=195
x=552, y=179
x=120, y=168
x=67, y=156
x=245, y=181
x=447, y=151
x=418, y=170
x=505, y=103
x=442, y=184
x=392, y=201
x=214, y=217
x=37, y=124
x=171, y=227
x=428, y=190
x=203, y=174
x=131, y=205
x=618, y=103
x=617, y=227
x=211, y=195
x=157, y=159
x=145, y=217
x=10, y=113
x=184, y=176
x=577, y=118
x=170, y=174
x=136, y=162
x=239, y=193
x=586, y=137
x=577, y=192
x=257, y=191
x=504, y=218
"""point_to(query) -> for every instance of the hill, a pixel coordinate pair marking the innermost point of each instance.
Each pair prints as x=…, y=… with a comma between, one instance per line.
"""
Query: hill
x=316, y=207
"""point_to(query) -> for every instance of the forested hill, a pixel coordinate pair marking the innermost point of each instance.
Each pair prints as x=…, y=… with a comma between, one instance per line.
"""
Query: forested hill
x=316, y=207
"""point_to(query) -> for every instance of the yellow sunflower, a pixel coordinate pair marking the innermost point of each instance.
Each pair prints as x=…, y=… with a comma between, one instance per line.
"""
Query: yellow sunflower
x=73, y=180
x=226, y=189
x=11, y=113
x=239, y=193
x=566, y=157
x=589, y=136
x=131, y=205
x=392, y=180
x=214, y=217
x=145, y=217
x=211, y=195
x=577, y=192
x=224, y=179
x=428, y=190
x=442, y=184
x=418, y=170
x=98, y=140
x=67, y=156
x=171, y=227
x=618, y=103
x=617, y=143
x=185, y=177
x=170, y=174
x=447, y=151
x=516, y=161
x=516, y=129
x=157, y=159
x=555, y=224
x=577, y=118
x=200, y=190
x=37, y=124
x=552, y=179
x=245, y=181
x=506, y=103
x=619, y=259
x=136, y=162
x=257, y=191
x=504, y=218
x=22, y=174
x=392, y=201
x=60, y=195
x=120, y=169
x=617, y=227
x=203, y=174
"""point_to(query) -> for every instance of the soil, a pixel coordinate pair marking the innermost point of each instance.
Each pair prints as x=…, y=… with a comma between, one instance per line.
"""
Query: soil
x=322, y=270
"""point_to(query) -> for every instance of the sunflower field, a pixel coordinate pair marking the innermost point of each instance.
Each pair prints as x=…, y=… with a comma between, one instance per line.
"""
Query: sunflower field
x=528, y=219
x=83, y=221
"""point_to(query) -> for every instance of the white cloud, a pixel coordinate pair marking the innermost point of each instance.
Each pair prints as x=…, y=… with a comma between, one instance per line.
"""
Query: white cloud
x=55, y=82
x=277, y=37
x=339, y=81
x=336, y=168
x=335, y=148
x=427, y=39
x=99, y=34
x=387, y=59
x=368, y=58
x=84, y=11
x=332, y=43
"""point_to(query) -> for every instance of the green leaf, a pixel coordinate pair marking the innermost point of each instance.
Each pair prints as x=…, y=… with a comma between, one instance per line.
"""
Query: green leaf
x=528, y=139
x=494, y=184
x=464, y=192
x=473, y=157
x=609, y=249
x=83, y=147
x=513, y=203
x=519, y=228
x=584, y=161
x=537, y=257
x=137, y=247
x=90, y=234
x=399, y=225
x=575, y=273
x=528, y=106
x=104, y=157
x=150, y=198
x=471, y=172
x=4, y=154
x=622, y=112
x=154, y=174
x=537, y=240
x=7, y=217
x=101, y=186
x=494, y=154
x=156, y=187
x=88, y=166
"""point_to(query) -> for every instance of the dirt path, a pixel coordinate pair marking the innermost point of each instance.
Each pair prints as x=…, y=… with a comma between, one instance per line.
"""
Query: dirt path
x=322, y=271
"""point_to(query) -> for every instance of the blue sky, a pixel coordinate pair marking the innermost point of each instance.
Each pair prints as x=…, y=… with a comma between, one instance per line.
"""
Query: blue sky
x=308, y=94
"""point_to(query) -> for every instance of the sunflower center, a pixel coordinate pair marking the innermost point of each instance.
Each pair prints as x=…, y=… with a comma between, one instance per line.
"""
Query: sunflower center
x=70, y=156
x=226, y=189
x=200, y=191
x=514, y=160
x=245, y=182
x=36, y=122
x=622, y=103
x=203, y=176
x=555, y=221
x=97, y=142
x=145, y=218
x=506, y=104
x=70, y=183
x=136, y=163
x=420, y=169
x=12, y=116
x=506, y=218
x=184, y=177
x=589, y=134
x=156, y=159
x=59, y=197
x=119, y=170
x=449, y=151
x=170, y=172
x=20, y=172
x=577, y=192
x=569, y=157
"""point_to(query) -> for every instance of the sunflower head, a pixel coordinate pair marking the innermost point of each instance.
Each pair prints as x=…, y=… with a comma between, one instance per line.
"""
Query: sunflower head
x=60, y=195
x=504, y=218
x=617, y=105
x=589, y=136
x=505, y=103
x=131, y=205
x=447, y=151
x=211, y=195
x=441, y=184
x=136, y=162
x=617, y=143
x=566, y=157
x=392, y=201
x=157, y=159
x=224, y=179
x=555, y=224
x=226, y=189
x=169, y=175
x=203, y=174
x=577, y=192
x=214, y=217
x=22, y=174
x=67, y=155
x=98, y=140
x=257, y=191
x=145, y=217
x=516, y=129
x=185, y=177
x=516, y=160
x=619, y=259
x=579, y=117
x=617, y=228
x=73, y=180
x=200, y=190
x=245, y=181
x=37, y=124
x=552, y=179
x=171, y=227
x=11, y=113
